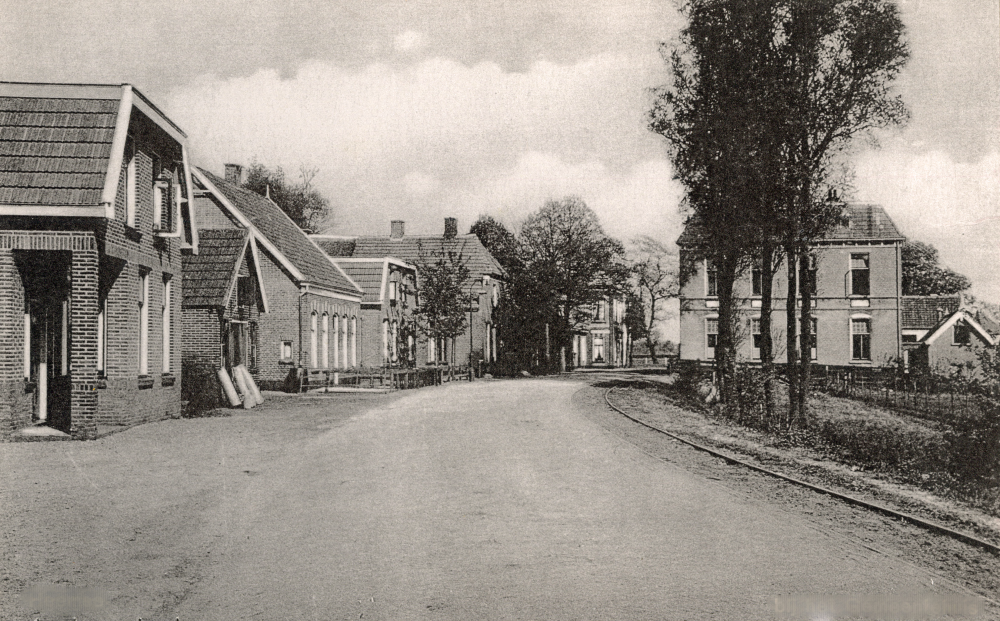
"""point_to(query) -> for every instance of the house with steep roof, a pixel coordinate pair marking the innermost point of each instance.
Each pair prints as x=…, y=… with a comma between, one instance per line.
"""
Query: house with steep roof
x=952, y=343
x=301, y=311
x=486, y=276
x=95, y=196
x=389, y=337
x=856, y=271
x=223, y=299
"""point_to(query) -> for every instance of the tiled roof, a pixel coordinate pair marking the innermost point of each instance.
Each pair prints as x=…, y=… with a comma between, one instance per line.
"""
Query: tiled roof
x=410, y=247
x=289, y=239
x=368, y=275
x=334, y=247
x=922, y=312
x=55, y=151
x=208, y=274
x=864, y=222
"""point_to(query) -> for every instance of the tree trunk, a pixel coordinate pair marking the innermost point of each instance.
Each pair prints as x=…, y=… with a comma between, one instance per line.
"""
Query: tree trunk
x=766, y=339
x=725, y=353
x=650, y=341
x=791, y=340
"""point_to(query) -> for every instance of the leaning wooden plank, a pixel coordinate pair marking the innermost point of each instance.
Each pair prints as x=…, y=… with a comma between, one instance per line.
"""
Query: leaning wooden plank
x=228, y=388
x=241, y=383
x=258, y=397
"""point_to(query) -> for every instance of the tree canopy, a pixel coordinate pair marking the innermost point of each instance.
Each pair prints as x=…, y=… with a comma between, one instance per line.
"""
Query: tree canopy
x=299, y=199
x=923, y=274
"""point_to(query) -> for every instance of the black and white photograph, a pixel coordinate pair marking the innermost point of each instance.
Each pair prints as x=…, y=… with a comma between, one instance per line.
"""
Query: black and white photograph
x=594, y=310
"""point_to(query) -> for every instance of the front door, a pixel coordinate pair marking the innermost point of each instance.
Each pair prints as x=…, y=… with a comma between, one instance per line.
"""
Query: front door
x=49, y=347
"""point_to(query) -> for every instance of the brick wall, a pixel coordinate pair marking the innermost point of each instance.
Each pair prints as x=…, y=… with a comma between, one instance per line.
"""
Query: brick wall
x=202, y=357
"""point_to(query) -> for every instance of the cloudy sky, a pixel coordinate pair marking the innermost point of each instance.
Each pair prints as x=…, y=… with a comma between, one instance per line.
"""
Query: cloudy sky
x=418, y=109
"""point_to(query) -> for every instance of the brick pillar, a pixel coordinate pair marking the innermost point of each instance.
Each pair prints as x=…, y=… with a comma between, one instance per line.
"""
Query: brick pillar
x=83, y=343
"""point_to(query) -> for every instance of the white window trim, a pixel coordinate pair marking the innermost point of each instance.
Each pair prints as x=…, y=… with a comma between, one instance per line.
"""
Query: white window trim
x=144, y=323
x=704, y=329
x=343, y=349
x=336, y=341
x=166, y=318
x=850, y=274
x=850, y=336
x=354, y=341
x=313, y=320
x=326, y=340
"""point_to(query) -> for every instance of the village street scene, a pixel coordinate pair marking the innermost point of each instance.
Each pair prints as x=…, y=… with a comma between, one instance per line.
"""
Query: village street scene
x=617, y=309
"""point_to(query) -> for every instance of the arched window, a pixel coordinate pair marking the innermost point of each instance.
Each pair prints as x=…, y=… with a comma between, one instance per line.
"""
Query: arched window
x=354, y=341
x=336, y=342
x=312, y=340
x=343, y=349
x=326, y=341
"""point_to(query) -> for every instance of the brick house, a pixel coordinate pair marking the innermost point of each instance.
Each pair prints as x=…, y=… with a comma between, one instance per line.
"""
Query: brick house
x=301, y=312
x=388, y=338
x=856, y=318
x=953, y=343
x=485, y=272
x=603, y=341
x=94, y=189
x=223, y=298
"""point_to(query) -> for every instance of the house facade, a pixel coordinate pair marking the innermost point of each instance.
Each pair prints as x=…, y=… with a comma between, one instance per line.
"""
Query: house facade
x=305, y=312
x=95, y=192
x=857, y=300
x=603, y=341
x=389, y=338
x=486, y=277
x=951, y=345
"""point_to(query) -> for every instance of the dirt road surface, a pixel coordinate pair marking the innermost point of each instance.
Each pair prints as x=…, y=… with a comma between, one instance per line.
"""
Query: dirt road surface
x=490, y=500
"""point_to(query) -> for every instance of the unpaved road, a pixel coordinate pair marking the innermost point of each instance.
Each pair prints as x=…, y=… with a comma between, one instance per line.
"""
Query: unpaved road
x=491, y=500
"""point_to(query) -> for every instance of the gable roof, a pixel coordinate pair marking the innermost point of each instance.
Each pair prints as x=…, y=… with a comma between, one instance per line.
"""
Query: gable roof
x=951, y=320
x=410, y=247
x=926, y=311
x=864, y=222
x=288, y=242
x=62, y=145
x=208, y=276
x=370, y=276
x=336, y=246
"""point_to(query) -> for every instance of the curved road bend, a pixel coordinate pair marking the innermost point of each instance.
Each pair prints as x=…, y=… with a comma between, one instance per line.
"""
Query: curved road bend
x=498, y=500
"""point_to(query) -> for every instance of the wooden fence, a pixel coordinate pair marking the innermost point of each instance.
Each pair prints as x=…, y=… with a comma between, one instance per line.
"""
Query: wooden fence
x=393, y=379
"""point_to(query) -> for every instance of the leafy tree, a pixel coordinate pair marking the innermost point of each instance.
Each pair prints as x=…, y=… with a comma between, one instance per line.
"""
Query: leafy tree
x=444, y=294
x=654, y=278
x=800, y=80
x=923, y=274
x=574, y=263
x=299, y=199
x=499, y=241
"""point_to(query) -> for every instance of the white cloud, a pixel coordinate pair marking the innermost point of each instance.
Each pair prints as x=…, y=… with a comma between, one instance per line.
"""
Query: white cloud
x=955, y=206
x=437, y=138
x=409, y=41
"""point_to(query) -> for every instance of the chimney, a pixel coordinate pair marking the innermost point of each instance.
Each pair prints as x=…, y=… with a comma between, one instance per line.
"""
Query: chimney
x=450, y=228
x=398, y=229
x=234, y=174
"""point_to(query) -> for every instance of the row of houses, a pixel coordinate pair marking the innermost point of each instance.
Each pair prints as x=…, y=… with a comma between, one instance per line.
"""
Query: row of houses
x=860, y=317
x=129, y=276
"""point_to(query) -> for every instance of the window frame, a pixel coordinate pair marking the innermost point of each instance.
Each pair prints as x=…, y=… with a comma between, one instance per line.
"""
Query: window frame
x=855, y=271
x=866, y=338
x=143, y=322
x=710, y=349
x=711, y=279
x=166, y=318
x=966, y=329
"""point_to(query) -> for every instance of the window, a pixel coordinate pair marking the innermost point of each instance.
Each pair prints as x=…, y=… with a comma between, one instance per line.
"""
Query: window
x=393, y=288
x=960, y=334
x=755, y=338
x=336, y=341
x=861, y=339
x=860, y=279
x=711, y=337
x=598, y=348
x=167, y=290
x=385, y=341
x=395, y=341
x=313, y=320
x=813, y=333
x=244, y=291
x=711, y=279
x=601, y=310
x=161, y=194
x=326, y=341
x=343, y=349
x=430, y=351
x=354, y=342
x=909, y=338
x=756, y=277
x=143, y=323
x=286, y=351
x=130, y=157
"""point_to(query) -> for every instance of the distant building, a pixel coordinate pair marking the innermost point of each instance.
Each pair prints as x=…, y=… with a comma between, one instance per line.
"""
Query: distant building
x=603, y=340
x=856, y=319
x=95, y=193
x=952, y=344
x=485, y=273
